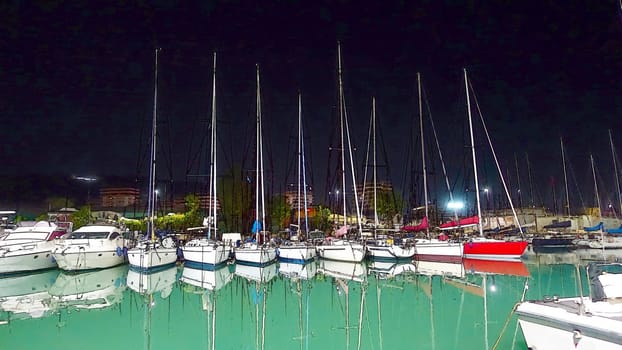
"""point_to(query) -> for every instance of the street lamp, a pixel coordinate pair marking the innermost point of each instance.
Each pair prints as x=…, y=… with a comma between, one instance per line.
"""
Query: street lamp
x=88, y=180
x=487, y=192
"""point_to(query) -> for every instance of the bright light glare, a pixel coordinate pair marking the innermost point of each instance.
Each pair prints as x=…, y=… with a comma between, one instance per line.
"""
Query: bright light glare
x=455, y=205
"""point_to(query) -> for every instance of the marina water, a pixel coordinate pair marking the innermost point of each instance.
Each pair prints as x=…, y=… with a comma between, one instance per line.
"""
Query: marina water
x=325, y=305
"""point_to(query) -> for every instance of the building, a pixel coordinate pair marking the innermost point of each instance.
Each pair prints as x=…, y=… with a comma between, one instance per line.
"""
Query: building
x=291, y=196
x=118, y=197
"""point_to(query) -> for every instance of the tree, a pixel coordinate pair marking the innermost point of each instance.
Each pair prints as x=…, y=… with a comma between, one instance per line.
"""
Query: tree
x=280, y=213
x=388, y=205
x=192, y=216
x=321, y=219
x=81, y=217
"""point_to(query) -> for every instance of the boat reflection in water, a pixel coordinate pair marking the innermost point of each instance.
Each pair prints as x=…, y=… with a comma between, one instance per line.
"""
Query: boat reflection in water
x=298, y=271
x=390, y=269
x=151, y=282
x=26, y=296
x=89, y=290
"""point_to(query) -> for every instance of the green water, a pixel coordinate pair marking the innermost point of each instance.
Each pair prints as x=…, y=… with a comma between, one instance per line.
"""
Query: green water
x=332, y=306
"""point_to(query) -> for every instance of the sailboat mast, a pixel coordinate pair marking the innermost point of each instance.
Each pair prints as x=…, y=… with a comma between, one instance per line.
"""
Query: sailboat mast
x=152, y=169
x=479, y=210
x=423, y=162
x=304, y=170
x=561, y=141
x=595, y=184
x=532, y=200
x=299, y=155
x=519, y=193
x=615, y=172
x=260, y=167
x=212, y=189
x=373, y=125
x=341, y=128
x=257, y=152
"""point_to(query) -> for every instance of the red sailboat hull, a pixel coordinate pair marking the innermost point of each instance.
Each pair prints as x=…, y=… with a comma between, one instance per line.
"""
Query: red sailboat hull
x=494, y=249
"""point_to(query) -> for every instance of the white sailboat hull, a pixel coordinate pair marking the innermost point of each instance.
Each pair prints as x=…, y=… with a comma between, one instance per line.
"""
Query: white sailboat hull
x=437, y=250
x=390, y=252
x=299, y=253
x=206, y=252
x=342, y=251
x=143, y=258
x=255, y=255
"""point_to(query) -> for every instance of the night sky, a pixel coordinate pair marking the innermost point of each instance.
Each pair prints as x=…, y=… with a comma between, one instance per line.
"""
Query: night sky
x=76, y=82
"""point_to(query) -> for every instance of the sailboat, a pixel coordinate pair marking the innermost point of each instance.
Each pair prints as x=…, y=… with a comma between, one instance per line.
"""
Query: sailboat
x=207, y=252
x=432, y=249
x=290, y=251
x=259, y=252
x=482, y=247
x=384, y=249
x=344, y=249
x=554, y=238
x=606, y=239
x=150, y=253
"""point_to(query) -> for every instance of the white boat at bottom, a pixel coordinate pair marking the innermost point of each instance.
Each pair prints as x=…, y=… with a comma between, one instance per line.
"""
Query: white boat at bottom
x=149, y=255
x=341, y=250
x=255, y=254
x=580, y=323
x=91, y=247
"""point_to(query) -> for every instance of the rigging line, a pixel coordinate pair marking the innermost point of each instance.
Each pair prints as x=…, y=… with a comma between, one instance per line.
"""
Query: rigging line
x=505, y=187
x=438, y=148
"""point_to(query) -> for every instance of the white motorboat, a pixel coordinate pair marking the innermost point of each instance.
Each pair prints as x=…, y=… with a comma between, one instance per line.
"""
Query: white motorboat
x=341, y=250
x=91, y=247
x=582, y=322
x=29, y=248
